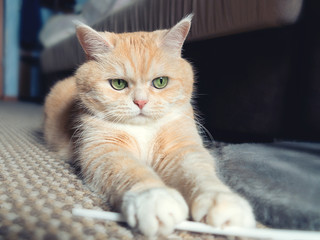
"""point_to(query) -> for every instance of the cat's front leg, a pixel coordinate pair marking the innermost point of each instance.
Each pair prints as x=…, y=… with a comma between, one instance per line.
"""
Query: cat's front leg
x=132, y=187
x=222, y=209
x=213, y=202
x=209, y=199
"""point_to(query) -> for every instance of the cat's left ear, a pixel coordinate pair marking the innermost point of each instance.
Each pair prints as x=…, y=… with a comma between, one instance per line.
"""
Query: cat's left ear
x=175, y=37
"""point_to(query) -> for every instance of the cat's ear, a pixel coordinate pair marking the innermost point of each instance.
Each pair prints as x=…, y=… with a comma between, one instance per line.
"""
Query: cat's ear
x=93, y=44
x=175, y=37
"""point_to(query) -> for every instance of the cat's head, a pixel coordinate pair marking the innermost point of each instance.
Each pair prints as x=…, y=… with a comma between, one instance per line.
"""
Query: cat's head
x=135, y=77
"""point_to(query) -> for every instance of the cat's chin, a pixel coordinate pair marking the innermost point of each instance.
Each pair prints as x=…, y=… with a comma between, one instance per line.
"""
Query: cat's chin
x=140, y=119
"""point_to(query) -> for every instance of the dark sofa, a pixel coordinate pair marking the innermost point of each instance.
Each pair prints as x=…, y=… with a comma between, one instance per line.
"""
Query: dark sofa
x=262, y=85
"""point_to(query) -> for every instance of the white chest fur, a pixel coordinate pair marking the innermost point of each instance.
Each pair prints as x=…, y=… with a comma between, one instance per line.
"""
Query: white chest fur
x=145, y=138
x=145, y=135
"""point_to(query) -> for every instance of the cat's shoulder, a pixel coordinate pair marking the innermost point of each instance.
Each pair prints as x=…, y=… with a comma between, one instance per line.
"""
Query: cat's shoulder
x=62, y=94
x=66, y=87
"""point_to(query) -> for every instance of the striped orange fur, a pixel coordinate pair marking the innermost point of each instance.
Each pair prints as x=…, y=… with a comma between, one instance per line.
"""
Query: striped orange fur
x=149, y=162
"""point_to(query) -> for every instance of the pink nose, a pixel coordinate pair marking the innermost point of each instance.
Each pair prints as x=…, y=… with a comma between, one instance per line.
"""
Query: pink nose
x=140, y=103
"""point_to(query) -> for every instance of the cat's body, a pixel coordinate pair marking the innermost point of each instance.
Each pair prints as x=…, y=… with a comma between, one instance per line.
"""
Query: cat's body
x=126, y=117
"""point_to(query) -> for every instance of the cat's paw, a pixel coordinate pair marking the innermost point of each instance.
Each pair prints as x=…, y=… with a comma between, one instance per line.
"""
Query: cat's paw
x=221, y=209
x=154, y=212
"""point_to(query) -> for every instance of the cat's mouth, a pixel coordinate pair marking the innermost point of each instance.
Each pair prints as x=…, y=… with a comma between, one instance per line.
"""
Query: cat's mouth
x=139, y=118
x=141, y=114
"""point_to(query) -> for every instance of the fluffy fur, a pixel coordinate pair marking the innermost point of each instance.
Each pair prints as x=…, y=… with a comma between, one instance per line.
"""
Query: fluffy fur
x=149, y=161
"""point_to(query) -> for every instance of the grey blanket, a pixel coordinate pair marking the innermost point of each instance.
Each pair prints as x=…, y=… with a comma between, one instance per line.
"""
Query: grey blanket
x=281, y=180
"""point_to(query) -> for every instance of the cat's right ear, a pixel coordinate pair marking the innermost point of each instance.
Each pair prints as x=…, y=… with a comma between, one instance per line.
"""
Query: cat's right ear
x=93, y=44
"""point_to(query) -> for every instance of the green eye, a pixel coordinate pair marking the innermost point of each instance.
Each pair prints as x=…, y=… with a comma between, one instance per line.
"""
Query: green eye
x=160, y=82
x=118, y=84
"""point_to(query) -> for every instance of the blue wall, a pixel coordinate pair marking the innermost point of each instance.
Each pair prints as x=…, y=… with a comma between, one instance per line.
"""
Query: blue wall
x=11, y=47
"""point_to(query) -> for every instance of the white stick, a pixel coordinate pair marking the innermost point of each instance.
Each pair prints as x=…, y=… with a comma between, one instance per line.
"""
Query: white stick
x=110, y=216
x=204, y=228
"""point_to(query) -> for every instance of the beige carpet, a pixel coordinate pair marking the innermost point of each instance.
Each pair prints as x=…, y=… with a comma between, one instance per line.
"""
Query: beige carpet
x=38, y=190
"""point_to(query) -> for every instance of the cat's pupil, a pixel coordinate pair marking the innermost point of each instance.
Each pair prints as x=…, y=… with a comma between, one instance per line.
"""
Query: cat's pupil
x=161, y=81
x=119, y=82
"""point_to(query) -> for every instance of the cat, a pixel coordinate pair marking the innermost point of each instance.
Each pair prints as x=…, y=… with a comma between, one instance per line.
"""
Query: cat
x=127, y=119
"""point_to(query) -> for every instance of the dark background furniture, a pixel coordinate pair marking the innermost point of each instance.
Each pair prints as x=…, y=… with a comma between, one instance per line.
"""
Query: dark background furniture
x=262, y=85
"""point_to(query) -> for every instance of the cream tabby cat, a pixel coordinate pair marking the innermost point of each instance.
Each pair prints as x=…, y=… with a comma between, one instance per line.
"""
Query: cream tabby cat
x=126, y=117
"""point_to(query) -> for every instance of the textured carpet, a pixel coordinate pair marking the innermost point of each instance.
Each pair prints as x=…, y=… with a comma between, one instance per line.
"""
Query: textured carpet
x=38, y=190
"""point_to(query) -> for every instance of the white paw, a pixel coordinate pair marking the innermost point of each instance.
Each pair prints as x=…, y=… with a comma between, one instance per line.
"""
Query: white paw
x=155, y=211
x=222, y=209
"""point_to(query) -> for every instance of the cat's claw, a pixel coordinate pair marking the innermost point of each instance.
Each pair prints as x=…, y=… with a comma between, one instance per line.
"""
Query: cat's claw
x=222, y=209
x=154, y=212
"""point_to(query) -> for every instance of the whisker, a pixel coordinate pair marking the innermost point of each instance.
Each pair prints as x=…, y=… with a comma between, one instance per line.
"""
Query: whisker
x=201, y=128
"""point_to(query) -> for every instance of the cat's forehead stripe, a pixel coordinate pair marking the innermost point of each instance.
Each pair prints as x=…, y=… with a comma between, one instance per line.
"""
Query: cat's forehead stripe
x=138, y=56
